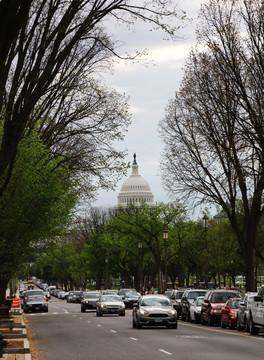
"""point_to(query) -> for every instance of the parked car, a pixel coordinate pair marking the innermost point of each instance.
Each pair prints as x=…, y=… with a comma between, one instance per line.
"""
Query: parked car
x=69, y=296
x=76, y=297
x=110, y=292
x=214, y=300
x=61, y=295
x=89, y=300
x=35, y=303
x=28, y=293
x=243, y=313
x=229, y=313
x=154, y=310
x=195, y=309
x=175, y=297
x=110, y=304
x=131, y=298
x=188, y=297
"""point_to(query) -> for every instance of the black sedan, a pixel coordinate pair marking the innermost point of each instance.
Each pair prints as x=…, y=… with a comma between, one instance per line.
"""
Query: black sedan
x=89, y=300
x=35, y=303
x=131, y=298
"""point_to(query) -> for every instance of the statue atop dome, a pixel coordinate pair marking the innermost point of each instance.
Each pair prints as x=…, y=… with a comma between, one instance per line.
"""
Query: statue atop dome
x=135, y=161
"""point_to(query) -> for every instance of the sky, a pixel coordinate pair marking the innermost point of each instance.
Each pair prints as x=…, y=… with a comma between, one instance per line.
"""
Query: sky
x=149, y=88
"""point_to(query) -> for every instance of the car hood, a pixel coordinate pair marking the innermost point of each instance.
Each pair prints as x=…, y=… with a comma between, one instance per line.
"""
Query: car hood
x=157, y=309
x=36, y=302
x=112, y=303
x=217, y=306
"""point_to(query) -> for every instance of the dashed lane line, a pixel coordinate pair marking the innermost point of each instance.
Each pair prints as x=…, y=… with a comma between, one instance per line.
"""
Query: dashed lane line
x=165, y=352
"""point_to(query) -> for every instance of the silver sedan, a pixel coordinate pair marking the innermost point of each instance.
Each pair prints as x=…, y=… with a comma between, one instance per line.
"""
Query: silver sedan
x=110, y=304
x=154, y=310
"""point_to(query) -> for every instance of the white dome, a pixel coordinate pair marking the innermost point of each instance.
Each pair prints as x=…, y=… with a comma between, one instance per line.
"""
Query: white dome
x=135, y=190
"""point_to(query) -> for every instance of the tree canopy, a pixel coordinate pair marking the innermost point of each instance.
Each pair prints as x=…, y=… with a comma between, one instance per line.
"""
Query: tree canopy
x=213, y=128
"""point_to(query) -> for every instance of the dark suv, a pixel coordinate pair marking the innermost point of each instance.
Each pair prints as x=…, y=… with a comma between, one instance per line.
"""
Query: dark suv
x=188, y=297
x=213, y=302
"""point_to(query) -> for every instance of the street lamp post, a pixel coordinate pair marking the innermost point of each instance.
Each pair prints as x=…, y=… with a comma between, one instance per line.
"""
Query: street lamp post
x=205, y=225
x=165, y=237
x=106, y=272
x=140, y=269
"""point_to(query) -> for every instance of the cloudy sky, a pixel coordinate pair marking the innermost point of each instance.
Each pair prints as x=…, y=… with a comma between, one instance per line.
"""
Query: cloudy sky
x=149, y=88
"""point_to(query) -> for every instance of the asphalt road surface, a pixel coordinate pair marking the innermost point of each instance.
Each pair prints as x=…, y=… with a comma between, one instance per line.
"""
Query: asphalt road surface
x=64, y=333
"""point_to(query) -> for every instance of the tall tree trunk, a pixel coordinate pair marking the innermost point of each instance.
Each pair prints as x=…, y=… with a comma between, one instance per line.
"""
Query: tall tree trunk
x=3, y=285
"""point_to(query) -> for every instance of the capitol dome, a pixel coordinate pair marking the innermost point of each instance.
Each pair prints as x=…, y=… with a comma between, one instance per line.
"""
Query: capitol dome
x=135, y=190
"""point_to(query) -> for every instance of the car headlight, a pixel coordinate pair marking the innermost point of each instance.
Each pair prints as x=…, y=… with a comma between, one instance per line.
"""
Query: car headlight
x=122, y=306
x=103, y=305
x=172, y=312
x=143, y=311
x=87, y=301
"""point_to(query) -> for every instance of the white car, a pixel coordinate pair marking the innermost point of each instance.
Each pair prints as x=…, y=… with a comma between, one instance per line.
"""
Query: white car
x=195, y=309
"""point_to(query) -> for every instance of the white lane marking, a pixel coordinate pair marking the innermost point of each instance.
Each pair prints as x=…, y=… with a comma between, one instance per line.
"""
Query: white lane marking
x=80, y=318
x=55, y=313
x=73, y=315
x=88, y=321
x=165, y=352
x=99, y=325
x=131, y=338
x=65, y=311
x=113, y=331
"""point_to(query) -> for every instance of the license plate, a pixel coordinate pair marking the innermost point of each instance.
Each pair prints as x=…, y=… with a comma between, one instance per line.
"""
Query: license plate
x=37, y=308
x=112, y=310
x=158, y=320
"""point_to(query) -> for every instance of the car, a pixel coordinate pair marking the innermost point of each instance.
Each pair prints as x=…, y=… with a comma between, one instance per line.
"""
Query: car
x=195, y=309
x=154, y=310
x=214, y=300
x=243, y=313
x=168, y=292
x=122, y=292
x=110, y=292
x=229, y=313
x=69, y=296
x=76, y=297
x=89, y=300
x=35, y=303
x=27, y=293
x=61, y=295
x=130, y=298
x=188, y=297
x=110, y=304
x=175, y=297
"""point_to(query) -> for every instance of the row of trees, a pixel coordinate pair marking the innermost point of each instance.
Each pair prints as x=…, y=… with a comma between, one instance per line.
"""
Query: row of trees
x=122, y=238
x=213, y=129
x=58, y=123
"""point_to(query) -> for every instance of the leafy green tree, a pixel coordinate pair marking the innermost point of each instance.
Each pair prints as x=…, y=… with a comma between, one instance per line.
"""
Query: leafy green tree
x=35, y=205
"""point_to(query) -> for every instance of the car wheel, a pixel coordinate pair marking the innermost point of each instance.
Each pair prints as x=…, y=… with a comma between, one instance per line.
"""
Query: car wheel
x=134, y=324
x=209, y=321
x=203, y=322
x=252, y=329
x=123, y=314
x=183, y=317
x=239, y=327
x=188, y=318
x=174, y=326
x=98, y=314
x=82, y=310
x=230, y=324
x=139, y=326
x=223, y=325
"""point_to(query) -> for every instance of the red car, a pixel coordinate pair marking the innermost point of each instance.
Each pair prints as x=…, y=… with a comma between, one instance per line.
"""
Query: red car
x=214, y=300
x=229, y=313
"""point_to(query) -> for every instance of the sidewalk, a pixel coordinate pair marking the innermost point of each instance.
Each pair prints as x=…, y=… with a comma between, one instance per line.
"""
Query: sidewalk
x=14, y=331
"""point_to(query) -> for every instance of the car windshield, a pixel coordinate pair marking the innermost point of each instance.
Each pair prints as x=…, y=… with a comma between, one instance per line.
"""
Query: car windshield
x=133, y=294
x=178, y=295
x=155, y=302
x=195, y=294
x=235, y=304
x=35, y=298
x=91, y=295
x=35, y=292
x=111, y=298
x=222, y=297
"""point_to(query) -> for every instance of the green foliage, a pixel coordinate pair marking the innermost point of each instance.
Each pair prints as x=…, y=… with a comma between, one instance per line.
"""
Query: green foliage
x=36, y=204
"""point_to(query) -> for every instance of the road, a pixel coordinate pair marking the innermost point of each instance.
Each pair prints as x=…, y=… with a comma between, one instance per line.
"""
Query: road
x=64, y=333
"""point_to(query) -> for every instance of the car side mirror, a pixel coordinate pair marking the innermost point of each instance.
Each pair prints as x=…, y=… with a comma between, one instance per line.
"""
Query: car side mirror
x=206, y=301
